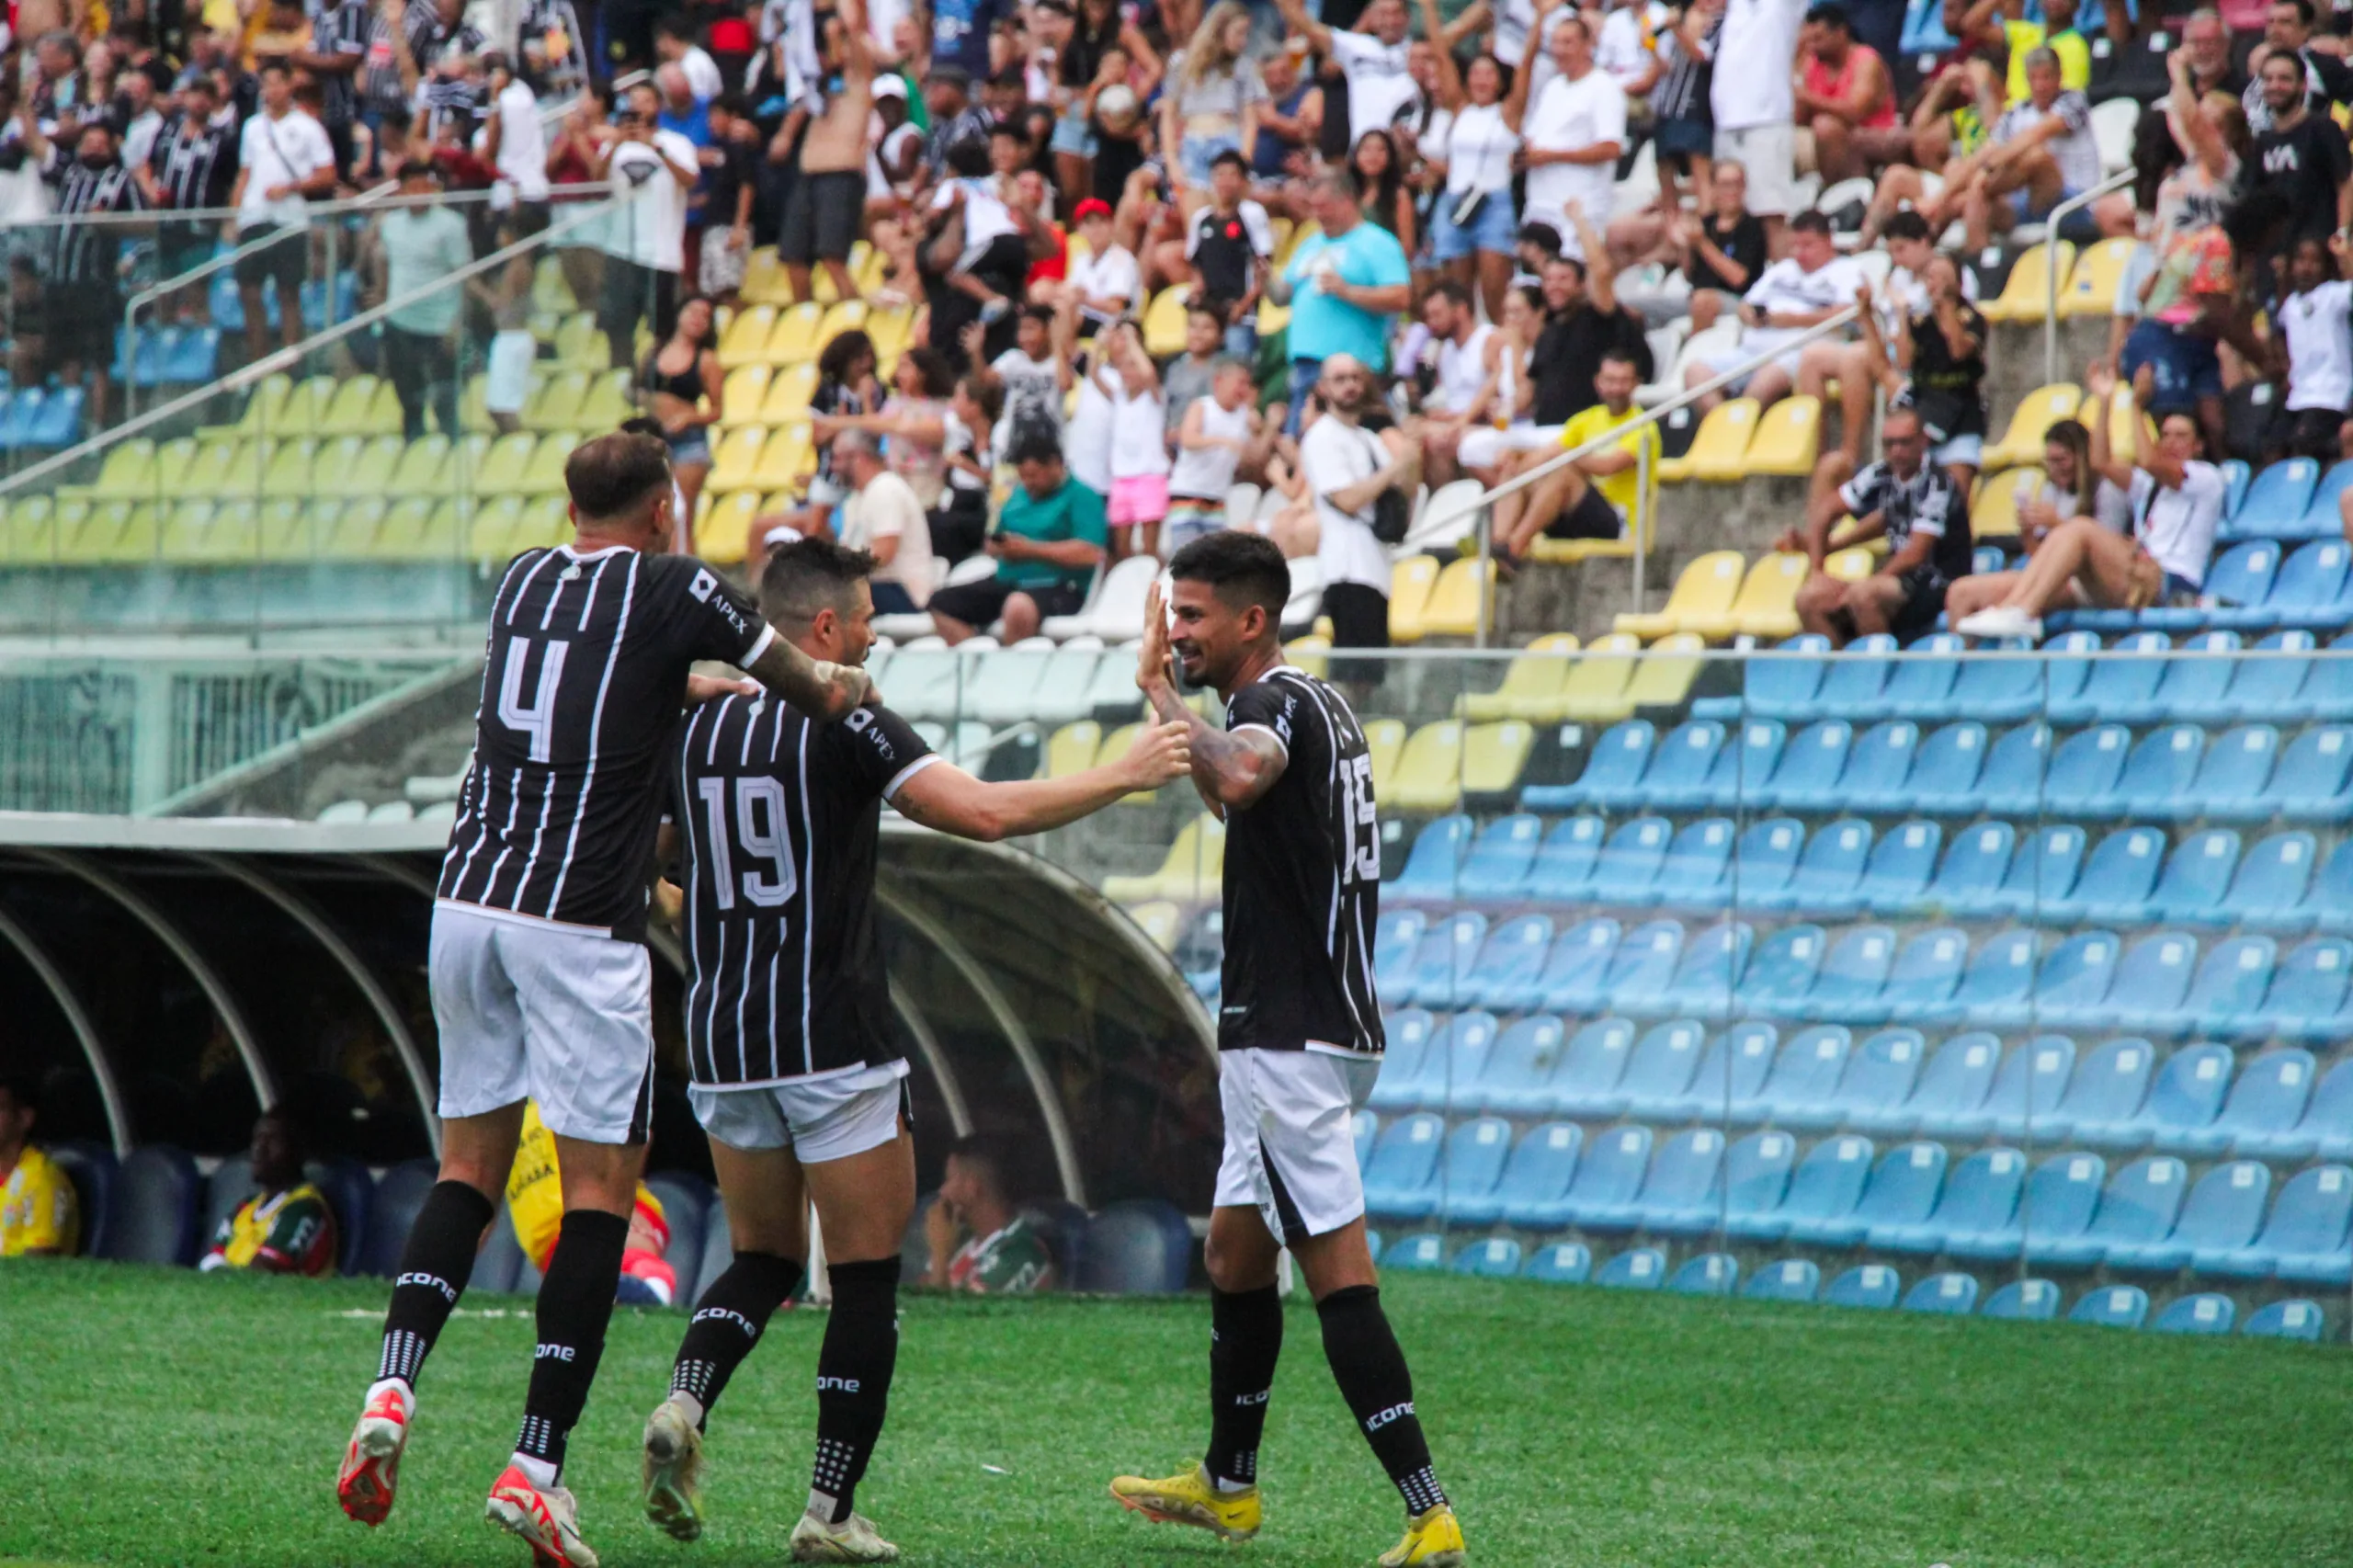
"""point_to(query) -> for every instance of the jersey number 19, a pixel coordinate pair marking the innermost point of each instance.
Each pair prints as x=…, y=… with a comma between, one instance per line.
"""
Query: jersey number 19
x=1357, y=813
x=760, y=836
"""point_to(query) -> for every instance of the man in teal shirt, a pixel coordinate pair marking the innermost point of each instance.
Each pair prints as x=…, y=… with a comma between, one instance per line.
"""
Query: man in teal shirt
x=1344, y=287
x=416, y=247
x=1047, y=541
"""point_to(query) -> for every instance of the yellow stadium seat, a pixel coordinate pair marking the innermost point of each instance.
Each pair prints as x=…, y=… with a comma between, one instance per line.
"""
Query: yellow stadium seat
x=1385, y=740
x=129, y=472
x=550, y=290
x=1164, y=321
x=1566, y=551
x=1453, y=608
x=264, y=408
x=868, y=270
x=2027, y=295
x=1073, y=748
x=288, y=472
x=608, y=402
x=500, y=472
x=286, y=529
x=351, y=532
x=1428, y=773
x=1531, y=683
x=1851, y=565
x=473, y=406
x=1311, y=653
x=1160, y=920
x=543, y=475
x=1788, y=438
x=425, y=468
x=1994, y=514
x=547, y=521
x=1188, y=873
x=304, y=409
x=202, y=531
x=347, y=412
x=795, y=338
x=1719, y=453
x=543, y=325
x=724, y=534
x=2037, y=412
x=443, y=536
x=112, y=532
x=579, y=344
x=490, y=537
x=65, y=526
x=784, y=460
x=1665, y=682
x=846, y=316
x=555, y=404
x=1410, y=582
x=1493, y=757
x=1704, y=592
x=401, y=530
x=739, y=396
x=1272, y=318
x=789, y=394
x=745, y=340
x=2099, y=272
x=889, y=330
x=31, y=533
x=2127, y=426
x=223, y=467
x=765, y=280
x=1595, y=687
x=1767, y=603
x=735, y=458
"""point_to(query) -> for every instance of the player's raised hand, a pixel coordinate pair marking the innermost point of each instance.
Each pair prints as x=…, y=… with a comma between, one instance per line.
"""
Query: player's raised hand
x=1160, y=755
x=1152, y=655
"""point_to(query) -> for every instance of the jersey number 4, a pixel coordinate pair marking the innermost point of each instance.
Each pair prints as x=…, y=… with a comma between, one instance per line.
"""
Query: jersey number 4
x=760, y=836
x=535, y=720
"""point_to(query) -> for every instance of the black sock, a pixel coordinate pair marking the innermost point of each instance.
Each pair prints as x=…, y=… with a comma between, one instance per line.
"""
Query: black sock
x=575, y=1305
x=435, y=1265
x=1246, y=1339
x=854, y=1369
x=728, y=1321
x=1371, y=1373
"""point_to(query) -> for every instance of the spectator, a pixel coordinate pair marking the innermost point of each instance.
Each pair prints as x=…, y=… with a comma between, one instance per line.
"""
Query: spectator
x=2188, y=302
x=827, y=205
x=444, y=45
x=1940, y=349
x=912, y=426
x=341, y=33
x=1802, y=290
x=1230, y=242
x=975, y=253
x=1683, y=129
x=507, y=385
x=1476, y=227
x=727, y=196
x=1622, y=52
x=845, y=385
x=1499, y=420
x=1846, y=98
x=977, y=1242
x=416, y=247
x=2070, y=488
x=652, y=170
x=139, y=117
x=1573, y=132
x=1723, y=250
x=1384, y=198
x=1374, y=58
x=1344, y=285
x=2156, y=146
x=555, y=51
x=680, y=385
x=1139, y=497
x=1049, y=538
x=1187, y=376
x=947, y=98
x=1583, y=321
x=41, y=1214
x=1347, y=469
x=82, y=306
x=534, y=1207
x=1754, y=102
x=1214, y=433
x=2319, y=349
x=193, y=166
x=1291, y=120
x=673, y=44
x=2287, y=30
x=1460, y=364
x=572, y=160
x=960, y=521
x=1029, y=377
x=1104, y=283
x=2194, y=187
x=1209, y=105
x=1597, y=496
x=1924, y=519
x=2177, y=502
x=959, y=34
x=2303, y=157
x=514, y=144
x=882, y=516
x=285, y=1226
x=283, y=159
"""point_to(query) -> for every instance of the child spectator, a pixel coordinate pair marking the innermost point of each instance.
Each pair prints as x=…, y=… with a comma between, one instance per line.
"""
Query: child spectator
x=1213, y=435
x=1139, y=443
x=1189, y=374
x=962, y=518
x=2319, y=349
x=1029, y=379
x=1104, y=283
x=1230, y=243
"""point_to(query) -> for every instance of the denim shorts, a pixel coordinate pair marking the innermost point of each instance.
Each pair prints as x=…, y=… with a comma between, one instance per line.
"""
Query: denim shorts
x=2184, y=365
x=1494, y=227
x=1199, y=150
x=1073, y=134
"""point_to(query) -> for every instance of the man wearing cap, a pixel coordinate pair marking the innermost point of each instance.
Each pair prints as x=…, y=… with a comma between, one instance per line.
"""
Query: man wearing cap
x=1104, y=282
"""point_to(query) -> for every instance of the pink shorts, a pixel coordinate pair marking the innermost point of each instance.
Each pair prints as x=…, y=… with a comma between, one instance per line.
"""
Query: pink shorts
x=1141, y=499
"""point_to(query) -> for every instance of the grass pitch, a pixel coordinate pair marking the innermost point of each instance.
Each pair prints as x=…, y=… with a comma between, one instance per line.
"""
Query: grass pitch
x=152, y=1416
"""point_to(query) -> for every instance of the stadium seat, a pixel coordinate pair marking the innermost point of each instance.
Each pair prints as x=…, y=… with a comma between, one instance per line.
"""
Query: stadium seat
x=2150, y=991
x=1535, y=1177
x=2021, y=442
x=1565, y=862
x=2136, y=1210
x=1879, y=1074
x=1660, y=1072
x=1497, y=1257
x=350, y=1193
x=1450, y=1065
x=1801, y=1077
x=1410, y=582
x=2310, y=782
x=2226, y=998
x=499, y=1266
x=2308, y=994
x=1532, y=684
x=1946, y=771
x=2010, y=784
x=1923, y=682
x=1677, y=778
x=1702, y=981
x=1719, y=453
x=2273, y=688
x=2270, y=886
x=2059, y=1200
x=1508, y=972
x=1766, y=857
x=1766, y=606
x=1453, y=607
x=1137, y=1245
x=2074, y=982
x=1787, y=440
x=1613, y=772
x=1638, y=1269
x=1902, y=1191
x=1953, y=1089
x=1981, y=1197
x=1790, y=1279
x=1969, y=878
x=1401, y=1179
x=1438, y=972
x=1871, y=1286
x=1879, y=766
x=1682, y=1195
x=1943, y=1295
x=1629, y=861
x=1743, y=764
x=2111, y=1306
x=1757, y=1176
x=1810, y=764
x=1577, y=969
x=1994, y=506
x=2240, y=580
x=1696, y=874
x=1993, y=986
x=2221, y=1215
x=91, y=1167
x=1594, y=689
x=2196, y=690
x=2286, y=1320
x=2313, y=591
x=1562, y=1263
x=151, y=1208
x=1468, y=1170
x=2024, y=1300
x=2184, y=1099
x=2305, y=1239
x=1783, y=685
x=1708, y=1274
x=1828, y=875
x=2275, y=502
x=1896, y=879
x=2088, y=770
x=2206, y=1312
x=1498, y=859
x=2103, y=1099
x=1608, y=1175
x=1701, y=601
x=2026, y=297
x=1424, y=1254
x=1530, y=1070
x=2099, y=271
x=1775, y=983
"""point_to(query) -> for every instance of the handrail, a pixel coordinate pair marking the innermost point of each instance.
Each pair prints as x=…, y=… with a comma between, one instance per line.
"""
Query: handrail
x=366, y=201
x=1646, y=502
x=289, y=358
x=2117, y=181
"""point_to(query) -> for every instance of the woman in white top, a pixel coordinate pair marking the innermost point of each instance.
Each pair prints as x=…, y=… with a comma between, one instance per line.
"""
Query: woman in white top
x=1210, y=104
x=1476, y=232
x=1501, y=411
x=2176, y=505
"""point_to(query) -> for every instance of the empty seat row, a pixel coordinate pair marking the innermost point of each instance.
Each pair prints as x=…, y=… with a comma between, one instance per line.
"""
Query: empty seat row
x=198, y=532
x=2290, y=499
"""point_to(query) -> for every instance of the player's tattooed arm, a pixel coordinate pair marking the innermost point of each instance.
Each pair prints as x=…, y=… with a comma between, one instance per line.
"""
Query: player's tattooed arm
x=819, y=687
x=1230, y=770
x=945, y=797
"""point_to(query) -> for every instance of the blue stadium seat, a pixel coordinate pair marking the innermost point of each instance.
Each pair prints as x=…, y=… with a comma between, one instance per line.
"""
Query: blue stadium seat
x=1923, y=679
x=2025, y=1092
x=1709, y=1274
x=1944, y=1295
x=1856, y=678
x=1497, y=1257
x=1565, y=861
x=1924, y=974
x=2137, y=1209
x=2328, y=690
x=1612, y=776
x=1608, y=1175
x=2239, y=579
x=2276, y=501
x=2328, y=903
x=2086, y=771
x=1829, y=872
x=2193, y=689
x=91, y=1168
x=1536, y=1179
x=2226, y=1000
x=2074, y=981
x=1807, y=780
x=1980, y=1196
x=1409, y=1030
x=2111, y=1306
x=1741, y=773
x=1823, y=1191
x=1424, y=1254
x=2011, y=784
x=1995, y=985
x=2184, y=1097
x=2195, y=879
x=1701, y=985
x=1733, y=1069
x=1679, y=1193
x=1757, y=1173
x=1852, y=983
x=1952, y=1088
x=2103, y=1099
x=1969, y=880
x=1500, y=858
x=1996, y=689
x=1877, y=1079
x=2159, y=777
x=1880, y=768
x=2116, y=684
x=2118, y=881
x=2235, y=478
x=2286, y=1320
x=1473, y=1163
x=1629, y=861
x=392, y=1213
x=1803, y=1075
x=1896, y=878
x=1659, y=1075
x=2272, y=689
x=152, y=1214
x=1394, y=941
x=1526, y=1057
x=1640, y=1268
x=1577, y=966
x=1696, y=875
x=1136, y=1246
x=1508, y=973
x=2151, y=988
x=2206, y=1312
x=1987, y=559
x=1871, y=1286
x=2308, y=995
x=1402, y=1180
x=1452, y=1066
x=2057, y=1205
x=2325, y=1129
x=2312, y=592
x=1767, y=858
x=1791, y=1280
x=2045, y=870
x=2222, y=1214
x=1783, y=970
x=1562, y=1263
x=1364, y=1127
x=1678, y=777
x=2310, y=783
x=1433, y=866
x=2304, y=1240
x=1945, y=776
x=2320, y=518
x=1902, y=1191
x=2269, y=889
x=1438, y=972
x=2024, y=1300
x=1784, y=686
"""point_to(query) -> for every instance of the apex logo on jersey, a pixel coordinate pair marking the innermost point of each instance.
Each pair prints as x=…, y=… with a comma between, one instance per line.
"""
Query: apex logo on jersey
x=704, y=587
x=722, y=1314
x=1381, y=1418
x=449, y=1292
x=552, y=1353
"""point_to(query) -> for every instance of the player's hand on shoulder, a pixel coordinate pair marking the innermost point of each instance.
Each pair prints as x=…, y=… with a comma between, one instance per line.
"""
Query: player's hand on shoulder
x=710, y=689
x=849, y=685
x=1161, y=753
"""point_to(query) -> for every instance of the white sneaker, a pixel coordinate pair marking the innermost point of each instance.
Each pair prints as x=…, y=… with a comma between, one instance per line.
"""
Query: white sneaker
x=673, y=1471
x=852, y=1541
x=2001, y=621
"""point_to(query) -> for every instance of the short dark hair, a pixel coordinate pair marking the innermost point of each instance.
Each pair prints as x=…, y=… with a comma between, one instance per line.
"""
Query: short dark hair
x=987, y=395
x=1830, y=14
x=736, y=104
x=1034, y=447
x=419, y=168
x=2304, y=11
x=805, y=576
x=610, y=476
x=1904, y=225
x=1545, y=237
x=674, y=24
x=931, y=363
x=278, y=65
x=1009, y=130
x=1244, y=568
x=1041, y=313
x=969, y=156
x=1009, y=78
x=1456, y=294
x=1809, y=222
x=1622, y=357
x=990, y=1154
x=1228, y=156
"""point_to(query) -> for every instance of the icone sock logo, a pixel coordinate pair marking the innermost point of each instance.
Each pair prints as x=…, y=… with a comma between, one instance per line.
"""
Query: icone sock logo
x=432, y=1281
x=724, y=1315
x=552, y=1353
x=1379, y=1419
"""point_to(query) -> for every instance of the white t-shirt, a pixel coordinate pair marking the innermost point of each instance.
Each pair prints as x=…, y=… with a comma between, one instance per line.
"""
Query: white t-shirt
x=702, y=73
x=275, y=152
x=1379, y=83
x=649, y=227
x=1332, y=456
x=881, y=145
x=1032, y=393
x=1206, y=473
x=1785, y=288
x=2073, y=149
x=2111, y=508
x=1462, y=370
x=2177, y=526
x=1754, y=54
x=1568, y=115
x=985, y=214
x=887, y=508
x=1110, y=275
x=1139, y=428
x=2320, y=350
x=882, y=19
x=1620, y=52
x=522, y=143
x=1087, y=438
x=1477, y=149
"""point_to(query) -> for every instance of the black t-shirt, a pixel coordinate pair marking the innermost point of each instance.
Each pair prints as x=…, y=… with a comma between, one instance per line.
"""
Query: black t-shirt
x=1568, y=353
x=1948, y=389
x=1928, y=503
x=1743, y=240
x=1225, y=248
x=1303, y=880
x=2306, y=165
x=777, y=824
x=713, y=205
x=588, y=662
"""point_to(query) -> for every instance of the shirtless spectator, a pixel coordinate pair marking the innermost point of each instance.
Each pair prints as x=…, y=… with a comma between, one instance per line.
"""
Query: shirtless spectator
x=827, y=203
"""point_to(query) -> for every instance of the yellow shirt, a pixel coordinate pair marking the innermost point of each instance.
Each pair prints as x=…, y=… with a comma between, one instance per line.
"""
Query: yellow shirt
x=38, y=1210
x=535, y=1190
x=296, y=1228
x=1619, y=489
x=2074, y=58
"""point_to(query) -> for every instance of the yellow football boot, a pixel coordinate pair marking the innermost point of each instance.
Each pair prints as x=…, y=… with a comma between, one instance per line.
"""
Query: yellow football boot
x=1433, y=1540
x=1190, y=1498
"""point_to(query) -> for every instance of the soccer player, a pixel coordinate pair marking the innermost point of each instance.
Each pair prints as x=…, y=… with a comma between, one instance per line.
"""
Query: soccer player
x=285, y=1226
x=1299, y=1037
x=540, y=982
x=39, y=1215
x=796, y=1077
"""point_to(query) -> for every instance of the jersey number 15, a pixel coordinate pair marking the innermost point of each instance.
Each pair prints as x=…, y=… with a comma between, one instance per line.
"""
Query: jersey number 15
x=760, y=836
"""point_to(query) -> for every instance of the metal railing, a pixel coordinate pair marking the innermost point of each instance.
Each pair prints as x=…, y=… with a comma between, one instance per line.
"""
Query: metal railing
x=2050, y=265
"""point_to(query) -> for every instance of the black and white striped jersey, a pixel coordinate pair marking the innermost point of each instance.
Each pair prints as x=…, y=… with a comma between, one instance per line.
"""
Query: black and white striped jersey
x=582, y=679
x=1303, y=880
x=777, y=820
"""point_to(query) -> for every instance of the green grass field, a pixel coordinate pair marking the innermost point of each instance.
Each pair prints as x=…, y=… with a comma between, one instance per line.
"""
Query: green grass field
x=157, y=1418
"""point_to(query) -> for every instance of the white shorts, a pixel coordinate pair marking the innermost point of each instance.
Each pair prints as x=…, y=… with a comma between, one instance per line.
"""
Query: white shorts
x=1718, y=364
x=1770, y=154
x=824, y=1119
x=557, y=1014
x=509, y=386
x=1969, y=450
x=1291, y=1137
x=1483, y=445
